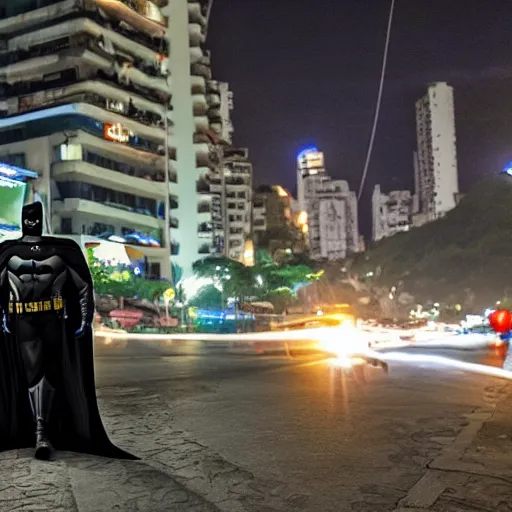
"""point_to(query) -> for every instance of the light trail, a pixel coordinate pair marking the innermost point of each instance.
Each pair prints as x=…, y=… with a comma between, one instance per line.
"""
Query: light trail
x=331, y=337
x=317, y=334
x=482, y=369
x=344, y=344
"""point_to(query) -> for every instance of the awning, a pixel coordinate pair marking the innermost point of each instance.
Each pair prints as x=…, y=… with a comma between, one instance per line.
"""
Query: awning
x=13, y=172
x=115, y=252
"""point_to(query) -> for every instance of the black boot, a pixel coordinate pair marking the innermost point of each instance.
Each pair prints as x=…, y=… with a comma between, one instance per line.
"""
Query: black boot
x=41, y=398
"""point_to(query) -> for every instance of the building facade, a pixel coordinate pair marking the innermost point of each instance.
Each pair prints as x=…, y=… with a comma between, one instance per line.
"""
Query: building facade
x=235, y=189
x=436, y=175
x=111, y=120
x=331, y=208
x=227, y=184
x=392, y=213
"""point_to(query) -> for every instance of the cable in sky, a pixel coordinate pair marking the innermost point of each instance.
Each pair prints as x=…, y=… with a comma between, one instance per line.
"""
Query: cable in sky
x=379, y=100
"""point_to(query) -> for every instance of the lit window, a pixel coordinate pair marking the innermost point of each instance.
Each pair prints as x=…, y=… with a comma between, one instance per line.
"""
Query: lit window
x=70, y=152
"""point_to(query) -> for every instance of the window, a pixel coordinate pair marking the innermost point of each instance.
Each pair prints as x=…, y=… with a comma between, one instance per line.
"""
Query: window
x=70, y=152
x=66, y=226
x=154, y=271
x=98, y=228
x=17, y=159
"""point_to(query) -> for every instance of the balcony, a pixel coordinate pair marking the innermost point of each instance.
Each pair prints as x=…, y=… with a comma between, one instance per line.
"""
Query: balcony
x=76, y=170
x=195, y=13
x=235, y=181
x=202, y=187
x=198, y=85
x=205, y=230
x=196, y=34
x=213, y=101
x=120, y=153
x=149, y=50
x=202, y=70
x=95, y=93
x=214, y=114
x=141, y=15
x=201, y=138
x=33, y=75
x=204, y=207
x=105, y=212
x=212, y=86
x=200, y=105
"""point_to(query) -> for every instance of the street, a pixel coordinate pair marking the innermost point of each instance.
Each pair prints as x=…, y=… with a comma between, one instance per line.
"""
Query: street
x=219, y=431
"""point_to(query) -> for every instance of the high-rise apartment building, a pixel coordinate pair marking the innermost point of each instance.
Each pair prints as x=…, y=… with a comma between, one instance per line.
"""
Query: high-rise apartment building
x=331, y=208
x=436, y=167
x=232, y=189
x=87, y=90
x=310, y=163
x=391, y=213
x=228, y=184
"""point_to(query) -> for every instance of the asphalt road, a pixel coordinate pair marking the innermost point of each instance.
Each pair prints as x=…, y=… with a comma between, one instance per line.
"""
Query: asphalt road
x=261, y=434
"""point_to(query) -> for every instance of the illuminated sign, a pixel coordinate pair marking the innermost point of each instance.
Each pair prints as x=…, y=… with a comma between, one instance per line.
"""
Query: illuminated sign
x=14, y=172
x=306, y=151
x=508, y=169
x=310, y=158
x=116, y=132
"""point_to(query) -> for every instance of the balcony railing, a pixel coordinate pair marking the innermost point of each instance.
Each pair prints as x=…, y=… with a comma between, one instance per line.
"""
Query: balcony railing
x=127, y=169
x=200, y=69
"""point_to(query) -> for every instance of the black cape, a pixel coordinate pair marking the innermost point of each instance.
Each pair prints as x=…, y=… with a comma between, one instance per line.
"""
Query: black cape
x=76, y=424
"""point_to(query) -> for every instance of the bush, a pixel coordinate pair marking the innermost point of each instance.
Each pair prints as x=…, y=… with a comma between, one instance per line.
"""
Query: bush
x=470, y=248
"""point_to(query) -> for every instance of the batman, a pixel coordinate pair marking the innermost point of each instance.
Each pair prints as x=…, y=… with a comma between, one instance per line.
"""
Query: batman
x=47, y=389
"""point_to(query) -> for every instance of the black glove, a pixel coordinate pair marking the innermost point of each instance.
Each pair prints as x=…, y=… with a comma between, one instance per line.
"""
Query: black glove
x=81, y=329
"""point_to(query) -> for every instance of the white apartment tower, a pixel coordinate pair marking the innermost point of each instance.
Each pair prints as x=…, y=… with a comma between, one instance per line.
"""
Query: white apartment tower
x=227, y=184
x=87, y=90
x=391, y=213
x=331, y=207
x=436, y=172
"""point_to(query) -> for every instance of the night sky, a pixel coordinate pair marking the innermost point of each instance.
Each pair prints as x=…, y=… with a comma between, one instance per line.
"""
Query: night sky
x=306, y=72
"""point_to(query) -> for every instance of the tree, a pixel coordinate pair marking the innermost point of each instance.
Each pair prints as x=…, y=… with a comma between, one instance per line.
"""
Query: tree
x=232, y=277
x=207, y=297
x=120, y=281
x=252, y=283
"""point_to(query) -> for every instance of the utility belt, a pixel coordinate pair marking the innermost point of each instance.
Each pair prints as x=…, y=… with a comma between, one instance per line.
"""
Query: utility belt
x=54, y=304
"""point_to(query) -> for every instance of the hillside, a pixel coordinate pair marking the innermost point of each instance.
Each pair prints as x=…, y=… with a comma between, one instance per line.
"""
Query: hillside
x=468, y=252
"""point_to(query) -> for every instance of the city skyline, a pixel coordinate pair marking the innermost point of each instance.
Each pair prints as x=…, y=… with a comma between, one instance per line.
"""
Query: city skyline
x=326, y=97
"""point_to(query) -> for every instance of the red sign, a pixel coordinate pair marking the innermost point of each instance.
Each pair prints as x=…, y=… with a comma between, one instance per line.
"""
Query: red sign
x=116, y=132
x=501, y=321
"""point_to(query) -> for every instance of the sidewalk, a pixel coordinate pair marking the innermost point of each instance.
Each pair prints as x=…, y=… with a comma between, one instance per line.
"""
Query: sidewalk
x=76, y=483
x=474, y=473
